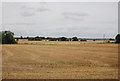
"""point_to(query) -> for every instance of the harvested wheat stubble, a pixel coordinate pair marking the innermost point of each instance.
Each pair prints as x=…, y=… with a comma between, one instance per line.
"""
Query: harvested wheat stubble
x=82, y=61
x=63, y=42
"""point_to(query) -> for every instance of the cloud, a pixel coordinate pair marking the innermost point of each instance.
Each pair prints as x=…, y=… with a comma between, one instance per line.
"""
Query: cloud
x=27, y=14
x=8, y=24
x=61, y=19
x=33, y=11
x=29, y=9
x=75, y=16
x=43, y=9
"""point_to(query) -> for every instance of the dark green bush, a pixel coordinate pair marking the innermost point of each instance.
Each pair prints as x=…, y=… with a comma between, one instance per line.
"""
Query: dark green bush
x=117, y=38
x=7, y=37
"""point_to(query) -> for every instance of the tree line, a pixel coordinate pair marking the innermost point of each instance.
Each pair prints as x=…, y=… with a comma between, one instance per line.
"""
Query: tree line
x=37, y=38
x=7, y=37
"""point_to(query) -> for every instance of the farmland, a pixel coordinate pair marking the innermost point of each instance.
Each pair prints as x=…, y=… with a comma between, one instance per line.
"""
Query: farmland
x=63, y=42
x=60, y=61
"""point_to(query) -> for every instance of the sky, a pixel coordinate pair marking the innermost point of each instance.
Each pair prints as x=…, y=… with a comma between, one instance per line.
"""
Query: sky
x=57, y=19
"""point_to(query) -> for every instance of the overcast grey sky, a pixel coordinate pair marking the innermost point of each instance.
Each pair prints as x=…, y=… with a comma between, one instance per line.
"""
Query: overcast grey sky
x=56, y=19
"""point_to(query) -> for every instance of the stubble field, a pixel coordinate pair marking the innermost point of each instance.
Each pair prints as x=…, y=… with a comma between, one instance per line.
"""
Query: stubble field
x=66, y=61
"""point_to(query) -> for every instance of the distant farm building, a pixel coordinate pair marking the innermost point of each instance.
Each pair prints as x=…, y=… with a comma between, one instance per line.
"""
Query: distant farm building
x=44, y=40
x=22, y=39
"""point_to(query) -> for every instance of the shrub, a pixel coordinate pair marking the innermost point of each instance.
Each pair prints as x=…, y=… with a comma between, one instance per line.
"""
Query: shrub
x=83, y=40
x=74, y=39
x=8, y=37
x=117, y=38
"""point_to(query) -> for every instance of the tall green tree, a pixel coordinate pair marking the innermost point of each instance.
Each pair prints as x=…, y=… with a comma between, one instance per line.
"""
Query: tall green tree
x=8, y=37
x=0, y=37
x=63, y=39
x=117, y=38
x=74, y=39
